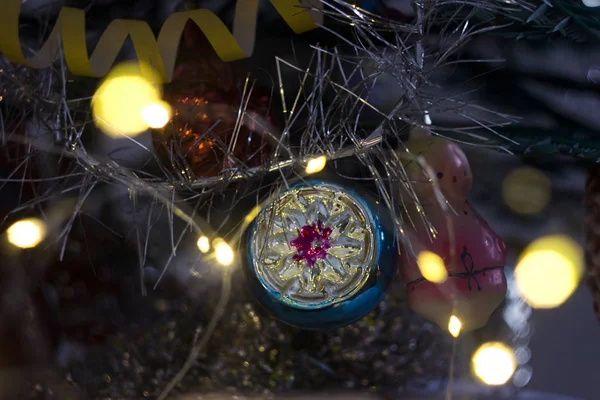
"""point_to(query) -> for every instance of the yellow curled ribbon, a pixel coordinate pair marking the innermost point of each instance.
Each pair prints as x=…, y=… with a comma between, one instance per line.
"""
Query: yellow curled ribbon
x=159, y=52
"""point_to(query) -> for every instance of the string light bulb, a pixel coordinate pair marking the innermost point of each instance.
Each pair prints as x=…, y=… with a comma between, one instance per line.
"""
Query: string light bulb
x=223, y=252
x=494, y=363
x=27, y=233
x=432, y=267
x=123, y=102
x=549, y=271
x=156, y=115
x=315, y=165
x=454, y=326
x=252, y=214
x=203, y=244
x=526, y=190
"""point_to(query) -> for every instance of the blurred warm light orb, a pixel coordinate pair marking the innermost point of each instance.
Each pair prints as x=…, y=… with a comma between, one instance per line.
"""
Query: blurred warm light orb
x=494, y=363
x=252, y=214
x=432, y=267
x=203, y=244
x=526, y=190
x=316, y=165
x=223, y=252
x=156, y=115
x=549, y=271
x=128, y=101
x=454, y=326
x=27, y=233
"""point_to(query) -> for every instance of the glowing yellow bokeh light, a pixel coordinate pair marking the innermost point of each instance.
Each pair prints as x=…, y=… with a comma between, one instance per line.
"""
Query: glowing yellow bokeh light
x=432, y=267
x=156, y=115
x=203, y=244
x=26, y=233
x=549, y=271
x=119, y=103
x=526, y=190
x=316, y=165
x=223, y=252
x=454, y=326
x=252, y=214
x=494, y=363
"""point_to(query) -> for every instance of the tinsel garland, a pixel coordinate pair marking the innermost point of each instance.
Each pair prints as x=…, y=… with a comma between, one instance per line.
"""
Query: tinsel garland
x=332, y=114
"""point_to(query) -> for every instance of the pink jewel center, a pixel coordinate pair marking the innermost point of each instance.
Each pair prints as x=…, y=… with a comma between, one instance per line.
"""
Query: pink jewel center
x=312, y=243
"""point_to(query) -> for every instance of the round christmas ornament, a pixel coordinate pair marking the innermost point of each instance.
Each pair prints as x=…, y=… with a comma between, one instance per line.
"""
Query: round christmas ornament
x=320, y=255
x=473, y=284
x=216, y=124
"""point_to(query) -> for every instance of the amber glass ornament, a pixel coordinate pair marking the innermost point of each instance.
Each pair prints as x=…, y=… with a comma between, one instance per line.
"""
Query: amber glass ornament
x=208, y=133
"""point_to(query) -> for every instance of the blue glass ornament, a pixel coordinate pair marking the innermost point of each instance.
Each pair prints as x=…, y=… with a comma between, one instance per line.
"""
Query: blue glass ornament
x=320, y=255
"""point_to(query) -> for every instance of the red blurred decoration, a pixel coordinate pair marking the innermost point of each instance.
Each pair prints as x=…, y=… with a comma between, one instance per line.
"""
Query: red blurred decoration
x=474, y=255
x=206, y=102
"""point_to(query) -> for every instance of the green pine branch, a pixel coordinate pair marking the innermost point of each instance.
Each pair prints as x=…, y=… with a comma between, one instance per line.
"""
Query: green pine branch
x=537, y=19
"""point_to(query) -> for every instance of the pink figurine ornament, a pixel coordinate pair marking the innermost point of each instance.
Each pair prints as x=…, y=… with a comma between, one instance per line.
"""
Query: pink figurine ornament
x=473, y=254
